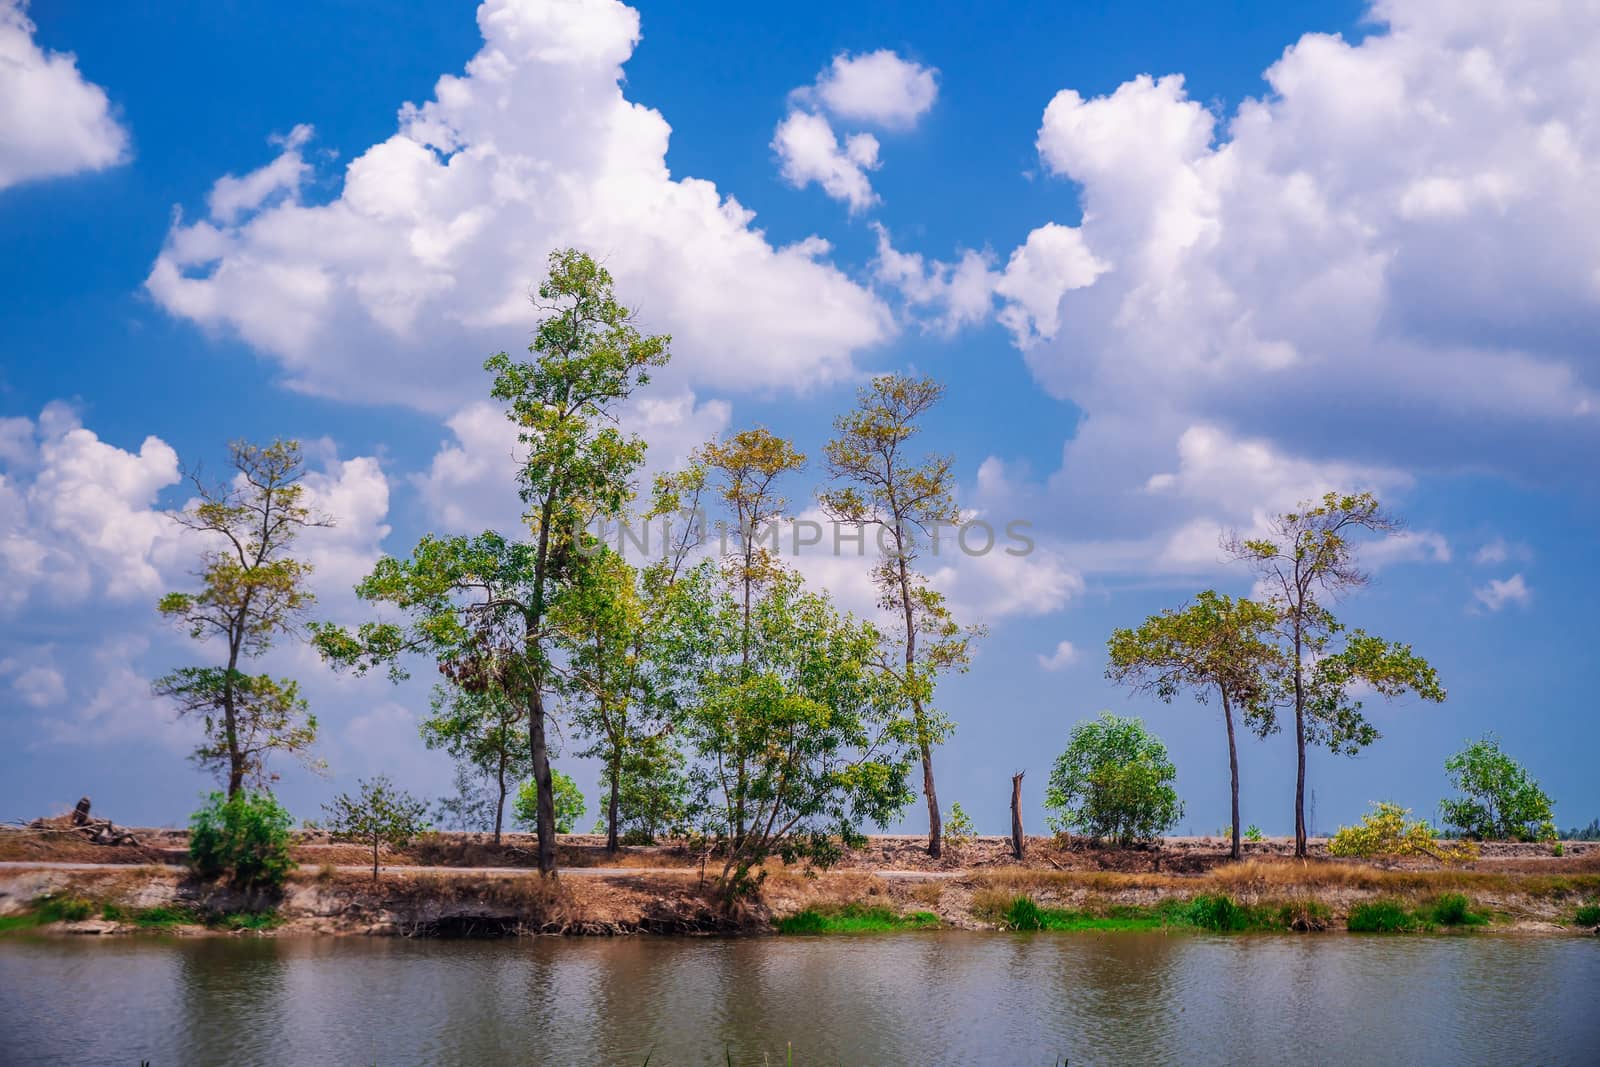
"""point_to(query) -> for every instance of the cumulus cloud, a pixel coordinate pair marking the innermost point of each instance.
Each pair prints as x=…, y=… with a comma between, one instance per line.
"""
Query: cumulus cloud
x=53, y=123
x=875, y=88
x=808, y=151
x=423, y=262
x=1064, y=656
x=1501, y=592
x=1410, y=213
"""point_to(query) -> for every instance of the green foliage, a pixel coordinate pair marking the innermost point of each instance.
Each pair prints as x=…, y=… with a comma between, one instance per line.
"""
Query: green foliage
x=569, y=803
x=1387, y=831
x=245, y=838
x=1310, y=554
x=254, y=921
x=798, y=738
x=252, y=592
x=1501, y=800
x=486, y=733
x=879, y=486
x=479, y=605
x=1113, y=781
x=165, y=917
x=855, y=919
x=1253, y=833
x=1218, y=912
x=958, y=828
x=1587, y=915
x=1454, y=909
x=1381, y=917
x=378, y=815
x=62, y=909
x=653, y=796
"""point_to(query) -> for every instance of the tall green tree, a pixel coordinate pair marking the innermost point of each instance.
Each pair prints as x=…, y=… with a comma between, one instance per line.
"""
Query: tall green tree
x=798, y=738
x=880, y=486
x=480, y=605
x=1307, y=556
x=1216, y=645
x=252, y=592
x=486, y=733
x=607, y=636
x=1500, y=799
x=745, y=471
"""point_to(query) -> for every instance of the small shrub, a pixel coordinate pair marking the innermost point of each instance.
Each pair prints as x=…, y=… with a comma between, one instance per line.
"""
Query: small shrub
x=245, y=838
x=1381, y=917
x=1023, y=914
x=1386, y=831
x=164, y=917
x=248, y=920
x=1558, y=850
x=53, y=909
x=379, y=814
x=1453, y=909
x=1305, y=915
x=1217, y=913
x=958, y=830
x=1253, y=833
x=1588, y=915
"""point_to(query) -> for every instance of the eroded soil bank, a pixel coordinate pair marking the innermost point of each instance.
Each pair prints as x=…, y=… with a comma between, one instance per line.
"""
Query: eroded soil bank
x=440, y=887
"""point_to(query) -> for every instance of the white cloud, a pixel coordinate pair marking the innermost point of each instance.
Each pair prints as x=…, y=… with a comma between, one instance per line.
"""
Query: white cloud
x=53, y=123
x=36, y=682
x=1407, y=546
x=809, y=152
x=1063, y=657
x=1499, y=550
x=1410, y=213
x=876, y=88
x=957, y=294
x=422, y=264
x=232, y=196
x=1503, y=591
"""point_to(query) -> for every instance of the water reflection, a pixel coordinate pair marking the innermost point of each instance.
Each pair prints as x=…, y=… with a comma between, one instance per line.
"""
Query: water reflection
x=920, y=998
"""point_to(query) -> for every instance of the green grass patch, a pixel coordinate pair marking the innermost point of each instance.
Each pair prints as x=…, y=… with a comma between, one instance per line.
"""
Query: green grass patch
x=1454, y=909
x=25, y=921
x=1218, y=912
x=1382, y=917
x=855, y=919
x=164, y=917
x=1588, y=915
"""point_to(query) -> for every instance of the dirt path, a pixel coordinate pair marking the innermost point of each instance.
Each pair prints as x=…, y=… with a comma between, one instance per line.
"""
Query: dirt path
x=357, y=868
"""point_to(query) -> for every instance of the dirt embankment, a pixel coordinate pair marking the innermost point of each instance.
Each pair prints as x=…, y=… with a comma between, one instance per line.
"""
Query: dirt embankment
x=439, y=887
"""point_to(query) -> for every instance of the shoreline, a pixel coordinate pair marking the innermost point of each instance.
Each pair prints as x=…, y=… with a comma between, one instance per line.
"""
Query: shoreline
x=1181, y=884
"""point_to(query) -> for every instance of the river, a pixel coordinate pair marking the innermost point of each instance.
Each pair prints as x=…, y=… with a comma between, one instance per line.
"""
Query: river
x=923, y=998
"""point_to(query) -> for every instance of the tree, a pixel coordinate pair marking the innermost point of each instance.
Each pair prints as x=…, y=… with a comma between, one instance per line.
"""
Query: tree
x=607, y=635
x=1309, y=554
x=797, y=737
x=747, y=468
x=487, y=735
x=570, y=806
x=654, y=794
x=879, y=486
x=245, y=836
x=378, y=815
x=1502, y=800
x=480, y=605
x=1113, y=781
x=251, y=593
x=1215, y=645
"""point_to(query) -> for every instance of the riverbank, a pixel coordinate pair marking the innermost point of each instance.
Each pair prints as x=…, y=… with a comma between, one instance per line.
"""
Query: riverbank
x=459, y=885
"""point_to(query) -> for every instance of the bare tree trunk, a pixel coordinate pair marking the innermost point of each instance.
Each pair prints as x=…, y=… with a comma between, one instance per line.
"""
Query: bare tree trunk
x=1300, y=752
x=935, y=823
x=1233, y=769
x=1018, y=842
x=612, y=841
x=500, y=797
x=375, y=843
x=544, y=784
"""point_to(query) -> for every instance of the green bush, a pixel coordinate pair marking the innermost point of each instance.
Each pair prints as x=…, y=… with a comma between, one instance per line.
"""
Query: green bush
x=1588, y=915
x=1501, y=799
x=1114, y=780
x=1217, y=913
x=53, y=909
x=1024, y=914
x=1386, y=831
x=570, y=806
x=1453, y=909
x=1381, y=917
x=245, y=838
x=958, y=830
x=1253, y=833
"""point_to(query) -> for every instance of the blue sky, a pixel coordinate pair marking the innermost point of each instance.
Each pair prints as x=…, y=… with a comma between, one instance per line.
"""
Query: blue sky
x=1178, y=267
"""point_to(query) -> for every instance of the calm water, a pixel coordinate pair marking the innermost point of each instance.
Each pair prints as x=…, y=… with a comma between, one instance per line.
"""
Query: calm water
x=898, y=999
